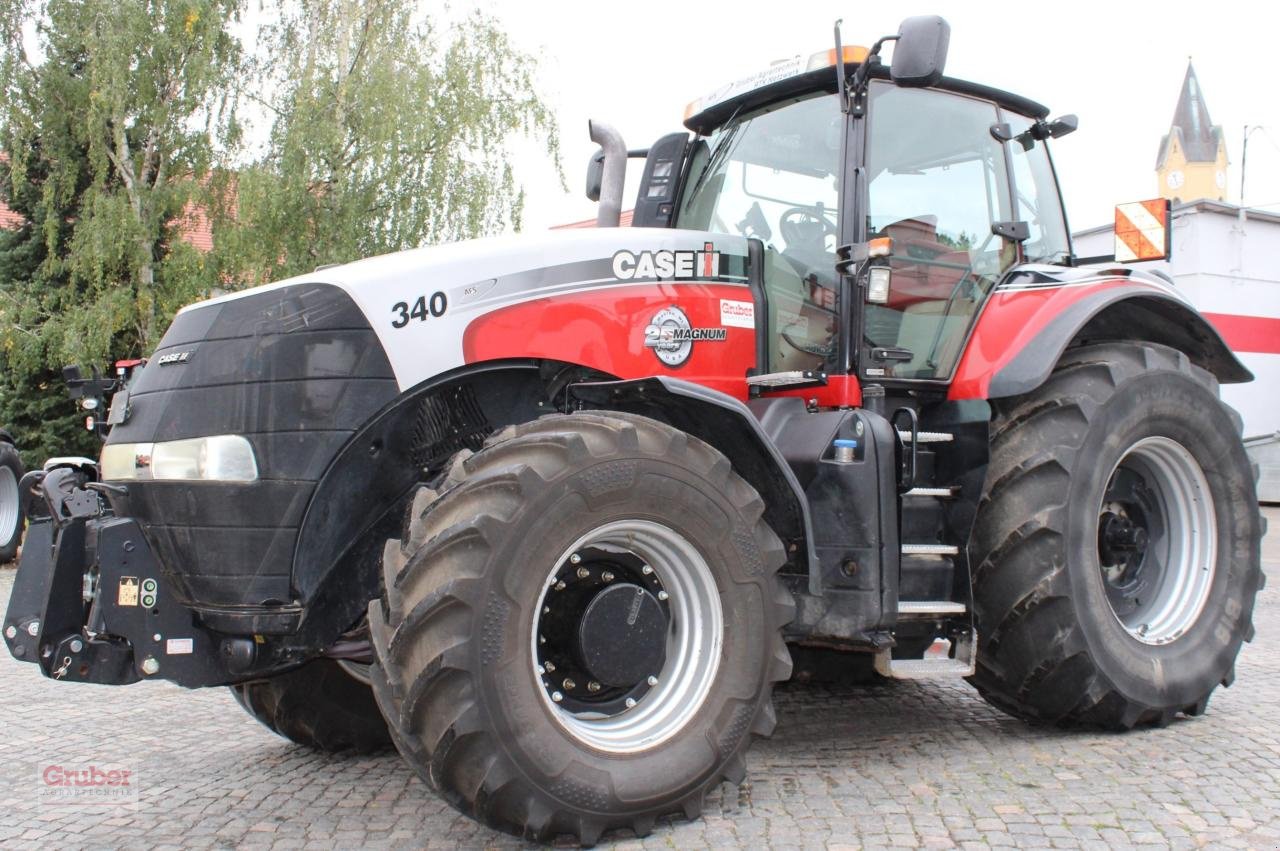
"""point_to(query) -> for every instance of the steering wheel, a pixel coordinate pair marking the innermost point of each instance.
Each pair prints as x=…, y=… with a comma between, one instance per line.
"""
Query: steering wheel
x=805, y=227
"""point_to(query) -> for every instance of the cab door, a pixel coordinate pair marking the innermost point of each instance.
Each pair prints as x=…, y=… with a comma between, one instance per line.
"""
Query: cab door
x=938, y=187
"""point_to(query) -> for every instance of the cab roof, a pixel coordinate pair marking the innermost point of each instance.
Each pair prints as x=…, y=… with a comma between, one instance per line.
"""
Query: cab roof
x=803, y=75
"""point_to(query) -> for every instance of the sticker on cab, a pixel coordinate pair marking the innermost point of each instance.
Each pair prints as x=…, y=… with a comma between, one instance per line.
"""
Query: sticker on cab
x=737, y=314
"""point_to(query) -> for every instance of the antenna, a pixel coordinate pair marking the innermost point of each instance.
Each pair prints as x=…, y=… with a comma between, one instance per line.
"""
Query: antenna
x=842, y=79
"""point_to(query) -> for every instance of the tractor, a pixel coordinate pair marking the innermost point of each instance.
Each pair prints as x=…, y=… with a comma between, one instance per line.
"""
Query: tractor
x=547, y=512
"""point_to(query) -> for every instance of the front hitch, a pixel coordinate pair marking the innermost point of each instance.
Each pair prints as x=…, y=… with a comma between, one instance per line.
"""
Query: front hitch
x=90, y=603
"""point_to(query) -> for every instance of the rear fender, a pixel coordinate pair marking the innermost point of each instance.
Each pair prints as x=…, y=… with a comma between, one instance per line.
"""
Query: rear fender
x=1033, y=317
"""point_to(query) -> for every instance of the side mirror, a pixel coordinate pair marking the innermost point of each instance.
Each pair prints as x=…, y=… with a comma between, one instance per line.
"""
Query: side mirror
x=921, y=51
x=595, y=174
x=1142, y=231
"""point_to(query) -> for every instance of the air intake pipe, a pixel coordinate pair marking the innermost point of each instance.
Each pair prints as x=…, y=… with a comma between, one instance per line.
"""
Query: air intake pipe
x=615, y=173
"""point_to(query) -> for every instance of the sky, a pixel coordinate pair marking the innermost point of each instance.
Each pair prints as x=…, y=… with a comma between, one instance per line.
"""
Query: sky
x=1119, y=66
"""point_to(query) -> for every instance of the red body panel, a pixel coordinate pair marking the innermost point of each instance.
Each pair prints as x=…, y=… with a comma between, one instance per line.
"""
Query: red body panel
x=604, y=329
x=1010, y=321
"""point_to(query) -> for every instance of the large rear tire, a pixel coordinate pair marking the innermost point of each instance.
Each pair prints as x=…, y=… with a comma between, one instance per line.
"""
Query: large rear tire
x=321, y=705
x=582, y=631
x=11, y=472
x=1116, y=549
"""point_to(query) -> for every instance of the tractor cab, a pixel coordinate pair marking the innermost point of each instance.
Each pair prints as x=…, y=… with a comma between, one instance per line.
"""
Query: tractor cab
x=889, y=201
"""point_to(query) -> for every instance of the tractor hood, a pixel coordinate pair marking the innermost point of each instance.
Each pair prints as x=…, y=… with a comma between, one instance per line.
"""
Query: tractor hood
x=421, y=302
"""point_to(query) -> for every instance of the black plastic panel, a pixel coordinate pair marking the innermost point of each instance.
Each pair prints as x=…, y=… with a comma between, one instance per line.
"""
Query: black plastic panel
x=296, y=370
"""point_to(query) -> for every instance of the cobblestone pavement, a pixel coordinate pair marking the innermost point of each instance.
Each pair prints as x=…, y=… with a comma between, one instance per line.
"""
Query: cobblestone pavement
x=903, y=764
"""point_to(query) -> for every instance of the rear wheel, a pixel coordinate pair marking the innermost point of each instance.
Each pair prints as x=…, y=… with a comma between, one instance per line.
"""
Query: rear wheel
x=583, y=630
x=11, y=472
x=1116, y=548
x=326, y=704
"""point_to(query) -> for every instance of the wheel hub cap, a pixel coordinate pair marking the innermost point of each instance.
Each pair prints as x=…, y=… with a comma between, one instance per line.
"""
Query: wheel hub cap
x=603, y=631
x=623, y=635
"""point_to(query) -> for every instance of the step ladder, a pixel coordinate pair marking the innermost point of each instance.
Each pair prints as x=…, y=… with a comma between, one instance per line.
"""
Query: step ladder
x=946, y=657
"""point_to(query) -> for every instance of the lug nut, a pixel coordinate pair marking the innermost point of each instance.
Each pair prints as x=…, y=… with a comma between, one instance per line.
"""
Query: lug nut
x=646, y=570
x=607, y=576
x=546, y=610
x=76, y=645
x=653, y=681
x=542, y=639
x=550, y=666
x=560, y=586
x=583, y=573
x=10, y=632
x=541, y=670
x=631, y=701
x=663, y=595
x=150, y=666
x=557, y=696
x=569, y=685
x=33, y=629
x=593, y=687
x=575, y=558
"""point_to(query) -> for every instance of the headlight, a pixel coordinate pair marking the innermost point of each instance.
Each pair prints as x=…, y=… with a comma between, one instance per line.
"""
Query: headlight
x=221, y=458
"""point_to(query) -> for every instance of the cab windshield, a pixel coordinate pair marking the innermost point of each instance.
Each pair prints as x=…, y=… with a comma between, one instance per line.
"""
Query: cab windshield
x=773, y=175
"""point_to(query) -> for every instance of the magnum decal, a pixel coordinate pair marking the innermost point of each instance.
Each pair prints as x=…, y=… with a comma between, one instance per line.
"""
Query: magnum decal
x=671, y=336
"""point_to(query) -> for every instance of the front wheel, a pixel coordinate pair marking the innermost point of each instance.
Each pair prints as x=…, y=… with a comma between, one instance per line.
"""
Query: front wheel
x=10, y=504
x=583, y=630
x=1116, y=549
x=325, y=704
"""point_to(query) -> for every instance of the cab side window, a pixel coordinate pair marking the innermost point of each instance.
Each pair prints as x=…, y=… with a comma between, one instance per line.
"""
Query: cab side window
x=938, y=183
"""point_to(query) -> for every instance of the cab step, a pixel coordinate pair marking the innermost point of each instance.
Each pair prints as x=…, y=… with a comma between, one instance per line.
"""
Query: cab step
x=930, y=608
x=940, y=493
x=940, y=660
x=930, y=550
x=926, y=436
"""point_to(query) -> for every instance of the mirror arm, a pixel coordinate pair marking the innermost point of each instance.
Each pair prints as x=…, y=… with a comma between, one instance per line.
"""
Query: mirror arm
x=862, y=76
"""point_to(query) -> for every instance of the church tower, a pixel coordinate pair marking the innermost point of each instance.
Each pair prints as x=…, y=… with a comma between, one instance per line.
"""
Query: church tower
x=1192, y=162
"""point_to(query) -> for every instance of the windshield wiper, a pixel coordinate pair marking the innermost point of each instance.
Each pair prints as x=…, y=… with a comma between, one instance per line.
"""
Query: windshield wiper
x=720, y=152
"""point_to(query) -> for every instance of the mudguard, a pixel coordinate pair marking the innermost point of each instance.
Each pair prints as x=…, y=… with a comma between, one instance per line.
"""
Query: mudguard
x=1037, y=311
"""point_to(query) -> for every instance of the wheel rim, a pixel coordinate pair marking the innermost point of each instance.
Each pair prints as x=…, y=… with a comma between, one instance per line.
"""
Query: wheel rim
x=358, y=671
x=648, y=562
x=1157, y=540
x=8, y=505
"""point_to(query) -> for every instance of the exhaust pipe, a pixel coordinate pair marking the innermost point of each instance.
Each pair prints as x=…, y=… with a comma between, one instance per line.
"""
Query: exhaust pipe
x=615, y=173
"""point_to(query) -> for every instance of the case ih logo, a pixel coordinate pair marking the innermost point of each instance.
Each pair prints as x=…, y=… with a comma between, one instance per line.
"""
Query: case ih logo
x=667, y=264
x=671, y=336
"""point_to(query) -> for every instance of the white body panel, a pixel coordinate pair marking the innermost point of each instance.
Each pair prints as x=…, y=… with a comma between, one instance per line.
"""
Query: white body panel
x=479, y=276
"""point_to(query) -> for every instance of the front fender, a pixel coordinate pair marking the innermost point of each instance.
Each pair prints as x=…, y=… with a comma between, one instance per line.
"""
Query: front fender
x=729, y=426
x=1034, y=315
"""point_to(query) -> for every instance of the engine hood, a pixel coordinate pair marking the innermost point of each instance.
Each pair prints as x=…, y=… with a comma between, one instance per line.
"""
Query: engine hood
x=420, y=302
